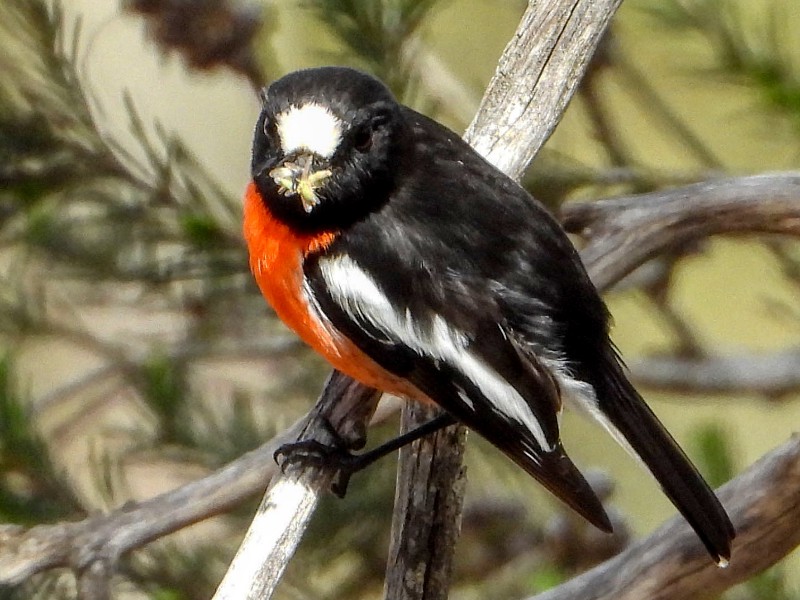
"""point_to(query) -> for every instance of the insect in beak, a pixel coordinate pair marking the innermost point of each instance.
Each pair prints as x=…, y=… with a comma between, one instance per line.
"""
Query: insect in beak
x=296, y=177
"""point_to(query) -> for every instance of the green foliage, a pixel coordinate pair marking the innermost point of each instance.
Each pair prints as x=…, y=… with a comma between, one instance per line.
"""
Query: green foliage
x=165, y=391
x=752, y=47
x=378, y=34
x=202, y=231
x=545, y=578
x=716, y=455
x=172, y=571
x=225, y=437
x=31, y=488
x=769, y=585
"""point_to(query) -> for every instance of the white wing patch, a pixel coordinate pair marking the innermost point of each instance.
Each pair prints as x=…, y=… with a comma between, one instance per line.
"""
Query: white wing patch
x=358, y=294
x=310, y=127
x=582, y=398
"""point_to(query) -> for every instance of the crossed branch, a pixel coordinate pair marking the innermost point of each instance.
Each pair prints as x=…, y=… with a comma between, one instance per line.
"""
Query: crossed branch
x=621, y=234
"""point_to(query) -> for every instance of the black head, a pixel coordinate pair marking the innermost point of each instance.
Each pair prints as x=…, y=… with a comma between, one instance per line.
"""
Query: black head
x=326, y=147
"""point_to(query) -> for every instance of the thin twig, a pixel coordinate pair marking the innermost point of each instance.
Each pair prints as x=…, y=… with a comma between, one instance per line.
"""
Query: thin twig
x=773, y=375
x=628, y=231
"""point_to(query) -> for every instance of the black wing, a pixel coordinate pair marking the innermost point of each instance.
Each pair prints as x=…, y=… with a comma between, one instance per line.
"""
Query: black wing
x=441, y=330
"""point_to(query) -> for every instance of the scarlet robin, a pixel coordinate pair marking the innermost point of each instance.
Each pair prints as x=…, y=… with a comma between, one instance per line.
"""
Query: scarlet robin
x=416, y=267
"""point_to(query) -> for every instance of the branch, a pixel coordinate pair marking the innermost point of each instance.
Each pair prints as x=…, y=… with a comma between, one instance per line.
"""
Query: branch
x=772, y=375
x=94, y=583
x=104, y=538
x=286, y=509
x=628, y=231
x=535, y=78
x=764, y=505
x=427, y=514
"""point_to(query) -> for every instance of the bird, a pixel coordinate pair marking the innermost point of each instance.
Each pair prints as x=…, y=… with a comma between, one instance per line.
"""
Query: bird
x=414, y=266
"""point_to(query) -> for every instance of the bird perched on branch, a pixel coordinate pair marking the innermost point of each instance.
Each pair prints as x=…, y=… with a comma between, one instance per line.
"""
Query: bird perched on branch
x=416, y=267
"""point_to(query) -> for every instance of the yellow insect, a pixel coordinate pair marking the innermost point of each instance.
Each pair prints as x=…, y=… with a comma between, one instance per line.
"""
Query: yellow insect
x=296, y=178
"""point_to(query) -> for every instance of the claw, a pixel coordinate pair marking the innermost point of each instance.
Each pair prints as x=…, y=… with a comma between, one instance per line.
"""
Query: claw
x=311, y=453
x=337, y=458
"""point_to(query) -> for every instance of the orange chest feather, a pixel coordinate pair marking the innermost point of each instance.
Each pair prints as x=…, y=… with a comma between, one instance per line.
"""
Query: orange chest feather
x=276, y=260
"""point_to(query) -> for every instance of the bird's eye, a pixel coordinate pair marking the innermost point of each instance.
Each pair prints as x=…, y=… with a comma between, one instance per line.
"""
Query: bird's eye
x=365, y=134
x=270, y=127
x=363, y=139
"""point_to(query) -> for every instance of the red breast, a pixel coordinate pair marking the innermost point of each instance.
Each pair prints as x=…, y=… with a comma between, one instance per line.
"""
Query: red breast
x=277, y=253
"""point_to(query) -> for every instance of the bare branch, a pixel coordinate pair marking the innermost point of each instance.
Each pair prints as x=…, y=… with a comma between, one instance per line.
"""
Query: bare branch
x=275, y=533
x=103, y=538
x=284, y=513
x=94, y=582
x=535, y=78
x=625, y=232
x=764, y=505
x=772, y=375
x=427, y=514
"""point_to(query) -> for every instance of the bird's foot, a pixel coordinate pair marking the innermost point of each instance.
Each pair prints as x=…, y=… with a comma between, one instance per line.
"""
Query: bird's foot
x=312, y=453
x=337, y=458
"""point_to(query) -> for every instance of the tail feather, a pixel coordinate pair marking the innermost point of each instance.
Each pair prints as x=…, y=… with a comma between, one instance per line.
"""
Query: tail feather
x=681, y=482
x=556, y=472
x=552, y=468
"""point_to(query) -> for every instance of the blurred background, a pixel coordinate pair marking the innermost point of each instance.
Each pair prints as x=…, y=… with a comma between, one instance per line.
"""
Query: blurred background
x=138, y=355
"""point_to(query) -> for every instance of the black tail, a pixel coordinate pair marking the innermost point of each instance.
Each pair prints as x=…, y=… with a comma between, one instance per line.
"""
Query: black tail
x=680, y=480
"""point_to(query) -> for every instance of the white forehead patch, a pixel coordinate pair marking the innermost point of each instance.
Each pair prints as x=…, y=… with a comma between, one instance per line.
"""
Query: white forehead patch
x=309, y=127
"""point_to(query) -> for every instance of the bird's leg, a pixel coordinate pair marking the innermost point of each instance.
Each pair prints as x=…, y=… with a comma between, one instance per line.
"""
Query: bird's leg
x=337, y=457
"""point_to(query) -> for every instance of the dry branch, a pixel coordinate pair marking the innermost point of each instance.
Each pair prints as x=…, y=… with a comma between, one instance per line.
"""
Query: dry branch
x=104, y=538
x=764, y=505
x=772, y=375
x=535, y=79
x=627, y=231
x=94, y=582
x=427, y=515
x=536, y=76
x=286, y=509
